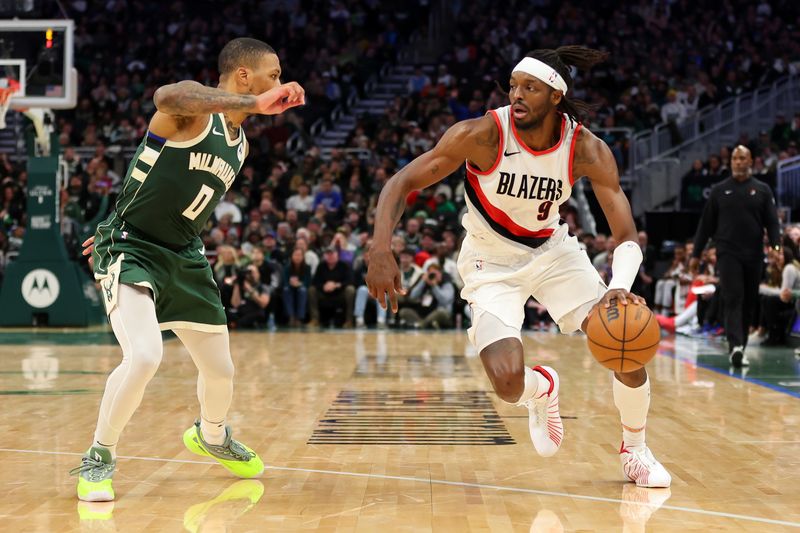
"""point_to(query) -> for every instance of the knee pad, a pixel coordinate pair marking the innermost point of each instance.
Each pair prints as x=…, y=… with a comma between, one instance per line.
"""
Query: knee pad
x=487, y=329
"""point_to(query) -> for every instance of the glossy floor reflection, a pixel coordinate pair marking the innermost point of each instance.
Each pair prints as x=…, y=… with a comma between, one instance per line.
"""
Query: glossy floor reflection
x=382, y=431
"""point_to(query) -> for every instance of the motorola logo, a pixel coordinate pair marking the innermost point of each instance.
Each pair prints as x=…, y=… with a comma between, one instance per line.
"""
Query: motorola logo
x=40, y=288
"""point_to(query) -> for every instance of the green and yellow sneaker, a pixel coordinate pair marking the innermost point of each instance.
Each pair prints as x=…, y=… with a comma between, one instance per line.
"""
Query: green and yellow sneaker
x=94, y=475
x=240, y=460
x=238, y=499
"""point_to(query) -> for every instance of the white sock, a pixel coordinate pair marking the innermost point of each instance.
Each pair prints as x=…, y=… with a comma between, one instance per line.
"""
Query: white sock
x=536, y=385
x=111, y=448
x=633, y=404
x=213, y=432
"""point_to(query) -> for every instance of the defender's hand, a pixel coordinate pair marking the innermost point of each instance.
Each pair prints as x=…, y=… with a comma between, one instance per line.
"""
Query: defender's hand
x=279, y=99
x=88, y=248
x=383, y=277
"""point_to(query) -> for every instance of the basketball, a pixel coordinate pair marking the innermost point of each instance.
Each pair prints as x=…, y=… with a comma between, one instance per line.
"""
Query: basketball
x=623, y=338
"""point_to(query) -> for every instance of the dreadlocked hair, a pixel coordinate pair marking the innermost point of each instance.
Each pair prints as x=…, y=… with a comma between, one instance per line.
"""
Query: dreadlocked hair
x=561, y=59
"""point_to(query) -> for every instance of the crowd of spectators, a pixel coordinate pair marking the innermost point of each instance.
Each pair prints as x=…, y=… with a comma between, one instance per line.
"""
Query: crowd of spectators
x=125, y=50
x=768, y=148
x=314, y=274
x=687, y=55
x=289, y=241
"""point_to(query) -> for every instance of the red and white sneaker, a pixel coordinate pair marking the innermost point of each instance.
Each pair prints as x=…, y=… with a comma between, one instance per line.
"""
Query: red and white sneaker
x=639, y=466
x=544, y=421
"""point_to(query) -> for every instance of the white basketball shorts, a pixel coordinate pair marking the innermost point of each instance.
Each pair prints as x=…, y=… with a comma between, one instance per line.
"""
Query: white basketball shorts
x=499, y=280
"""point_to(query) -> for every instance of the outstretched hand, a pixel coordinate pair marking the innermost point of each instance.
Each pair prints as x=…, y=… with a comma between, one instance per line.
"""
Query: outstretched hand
x=383, y=278
x=279, y=99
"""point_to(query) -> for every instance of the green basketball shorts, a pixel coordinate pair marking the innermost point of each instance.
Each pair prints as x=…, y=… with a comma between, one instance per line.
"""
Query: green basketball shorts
x=185, y=293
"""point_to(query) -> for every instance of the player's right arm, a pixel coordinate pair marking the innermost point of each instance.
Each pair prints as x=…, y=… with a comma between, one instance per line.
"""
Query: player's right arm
x=476, y=140
x=186, y=105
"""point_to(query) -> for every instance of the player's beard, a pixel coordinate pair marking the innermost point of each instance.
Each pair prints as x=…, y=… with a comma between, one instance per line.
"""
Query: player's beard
x=534, y=120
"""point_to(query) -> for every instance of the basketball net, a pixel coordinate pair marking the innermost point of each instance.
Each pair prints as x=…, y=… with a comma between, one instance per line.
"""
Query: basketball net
x=6, y=92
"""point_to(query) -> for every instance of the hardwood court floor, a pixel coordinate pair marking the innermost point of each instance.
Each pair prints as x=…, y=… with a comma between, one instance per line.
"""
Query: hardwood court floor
x=368, y=431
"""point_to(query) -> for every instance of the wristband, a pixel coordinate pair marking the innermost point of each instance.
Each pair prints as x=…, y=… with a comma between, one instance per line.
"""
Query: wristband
x=625, y=265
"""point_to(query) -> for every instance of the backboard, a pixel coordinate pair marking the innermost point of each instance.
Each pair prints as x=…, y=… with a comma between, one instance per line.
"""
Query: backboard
x=39, y=53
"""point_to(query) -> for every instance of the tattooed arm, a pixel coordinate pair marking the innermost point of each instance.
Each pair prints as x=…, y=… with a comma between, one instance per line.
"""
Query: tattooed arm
x=476, y=140
x=183, y=107
x=189, y=98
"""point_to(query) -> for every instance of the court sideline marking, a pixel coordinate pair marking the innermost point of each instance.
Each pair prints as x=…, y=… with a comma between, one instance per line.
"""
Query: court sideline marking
x=672, y=354
x=445, y=482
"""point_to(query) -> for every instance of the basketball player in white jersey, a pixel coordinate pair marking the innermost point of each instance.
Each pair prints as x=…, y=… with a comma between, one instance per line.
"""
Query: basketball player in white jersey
x=522, y=161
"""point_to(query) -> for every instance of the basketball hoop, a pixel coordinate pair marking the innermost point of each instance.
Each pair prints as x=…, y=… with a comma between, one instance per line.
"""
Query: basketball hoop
x=7, y=89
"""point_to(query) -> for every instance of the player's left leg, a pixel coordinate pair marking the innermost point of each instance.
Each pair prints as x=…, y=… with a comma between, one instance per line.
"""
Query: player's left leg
x=569, y=289
x=632, y=398
x=631, y=392
x=210, y=436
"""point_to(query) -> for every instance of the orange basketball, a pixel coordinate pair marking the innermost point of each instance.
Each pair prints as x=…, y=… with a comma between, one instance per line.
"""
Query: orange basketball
x=623, y=338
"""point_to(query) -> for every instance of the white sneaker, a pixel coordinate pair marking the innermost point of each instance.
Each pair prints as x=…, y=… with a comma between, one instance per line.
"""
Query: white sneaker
x=544, y=421
x=737, y=357
x=360, y=322
x=639, y=466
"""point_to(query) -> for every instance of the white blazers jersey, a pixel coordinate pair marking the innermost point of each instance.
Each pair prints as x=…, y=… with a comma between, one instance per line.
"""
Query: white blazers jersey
x=518, y=198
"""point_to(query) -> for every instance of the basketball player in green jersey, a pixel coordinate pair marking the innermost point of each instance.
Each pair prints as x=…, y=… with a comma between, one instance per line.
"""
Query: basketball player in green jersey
x=149, y=261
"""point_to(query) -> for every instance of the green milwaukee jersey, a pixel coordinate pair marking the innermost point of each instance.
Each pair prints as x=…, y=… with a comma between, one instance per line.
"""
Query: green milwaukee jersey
x=172, y=188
